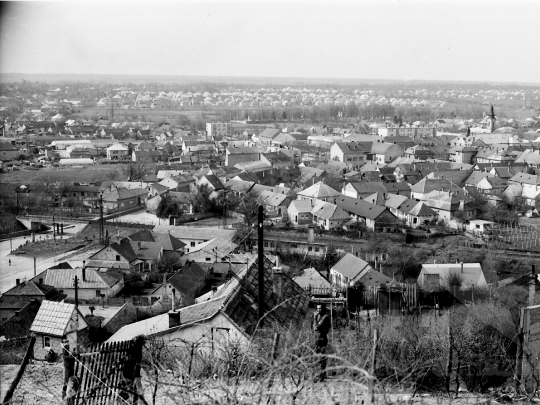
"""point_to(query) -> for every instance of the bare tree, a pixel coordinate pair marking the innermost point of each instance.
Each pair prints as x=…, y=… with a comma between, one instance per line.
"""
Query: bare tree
x=134, y=171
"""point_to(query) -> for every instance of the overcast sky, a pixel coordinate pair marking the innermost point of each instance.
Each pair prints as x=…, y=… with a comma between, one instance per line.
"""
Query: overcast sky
x=474, y=40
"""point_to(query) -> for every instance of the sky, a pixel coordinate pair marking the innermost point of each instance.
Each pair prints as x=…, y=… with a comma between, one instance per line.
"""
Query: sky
x=459, y=40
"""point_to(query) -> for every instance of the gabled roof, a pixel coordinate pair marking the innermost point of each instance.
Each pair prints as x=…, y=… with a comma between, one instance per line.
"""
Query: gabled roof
x=53, y=318
x=195, y=233
x=525, y=178
x=359, y=207
x=272, y=199
x=456, y=177
x=328, y=211
x=394, y=201
x=350, y=266
x=63, y=278
x=319, y=190
x=214, y=181
x=312, y=278
x=244, y=150
x=476, y=177
x=238, y=299
x=368, y=187
x=270, y=133
x=380, y=148
x=301, y=206
x=422, y=210
x=188, y=279
x=472, y=272
x=426, y=185
x=119, y=194
x=408, y=205
x=29, y=289
x=144, y=235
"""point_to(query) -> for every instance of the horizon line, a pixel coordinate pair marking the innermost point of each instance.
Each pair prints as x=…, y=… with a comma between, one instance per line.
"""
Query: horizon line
x=224, y=77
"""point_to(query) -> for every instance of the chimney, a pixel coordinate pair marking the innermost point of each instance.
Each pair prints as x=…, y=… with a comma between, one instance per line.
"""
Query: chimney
x=18, y=281
x=174, y=319
x=532, y=285
x=277, y=282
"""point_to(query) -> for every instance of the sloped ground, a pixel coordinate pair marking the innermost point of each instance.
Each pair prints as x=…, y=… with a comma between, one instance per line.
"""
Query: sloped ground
x=42, y=384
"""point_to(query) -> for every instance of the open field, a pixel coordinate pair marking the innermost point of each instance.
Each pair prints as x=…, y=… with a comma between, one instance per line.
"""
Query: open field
x=91, y=173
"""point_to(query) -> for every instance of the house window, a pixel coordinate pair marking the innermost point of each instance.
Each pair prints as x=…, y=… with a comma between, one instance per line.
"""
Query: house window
x=316, y=249
x=310, y=249
x=192, y=244
x=98, y=293
x=117, y=258
x=415, y=220
x=46, y=342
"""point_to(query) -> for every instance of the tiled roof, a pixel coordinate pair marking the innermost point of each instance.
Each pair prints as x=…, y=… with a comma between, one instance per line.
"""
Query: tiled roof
x=311, y=278
x=168, y=242
x=472, y=272
x=63, y=278
x=242, y=150
x=195, y=233
x=422, y=210
x=326, y=210
x=359, y=207
x=269, y=133
x=525, y=178
x=319, y=190
x=368, y=187
x=350, y=266
x=144, y=235
x=394, y=200
x=159, y=324
x=272, y=199
x=119, y=194
x=188, y=279
x=301, y=206
x=53, y=318
x=426, y=185
x=214, y=181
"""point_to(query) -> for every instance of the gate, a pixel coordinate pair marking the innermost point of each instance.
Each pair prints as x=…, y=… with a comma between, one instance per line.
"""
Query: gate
x=107, y=374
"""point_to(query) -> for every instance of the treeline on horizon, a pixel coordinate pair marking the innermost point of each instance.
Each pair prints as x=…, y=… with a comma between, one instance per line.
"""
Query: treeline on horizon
x=201, y=82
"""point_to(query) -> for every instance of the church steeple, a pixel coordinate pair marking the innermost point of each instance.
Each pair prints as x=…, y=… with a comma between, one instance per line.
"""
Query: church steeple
x=492, y=119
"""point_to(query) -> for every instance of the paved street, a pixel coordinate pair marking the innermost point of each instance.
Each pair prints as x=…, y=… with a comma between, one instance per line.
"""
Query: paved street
x=23, y=266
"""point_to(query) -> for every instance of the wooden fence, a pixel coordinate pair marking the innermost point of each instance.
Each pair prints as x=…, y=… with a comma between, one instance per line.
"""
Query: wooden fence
x=106, y=374
x=364, y=296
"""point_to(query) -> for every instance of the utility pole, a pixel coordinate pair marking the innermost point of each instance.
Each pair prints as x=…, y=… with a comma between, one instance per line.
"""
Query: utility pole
x=101, y=224
x=261, y=266
x=76, y=285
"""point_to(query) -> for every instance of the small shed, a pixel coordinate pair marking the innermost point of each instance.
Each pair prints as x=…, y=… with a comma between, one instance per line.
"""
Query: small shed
x=480, y=227
x=55, y=323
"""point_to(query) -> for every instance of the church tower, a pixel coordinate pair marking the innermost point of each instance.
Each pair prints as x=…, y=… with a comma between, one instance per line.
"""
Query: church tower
x=492, y=118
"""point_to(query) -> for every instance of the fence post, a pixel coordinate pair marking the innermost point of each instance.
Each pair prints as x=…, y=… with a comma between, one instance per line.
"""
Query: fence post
x=373, y=364
x=29, y=353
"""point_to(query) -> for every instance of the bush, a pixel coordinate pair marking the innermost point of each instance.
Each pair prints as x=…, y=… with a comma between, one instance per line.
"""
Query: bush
x=51, y=356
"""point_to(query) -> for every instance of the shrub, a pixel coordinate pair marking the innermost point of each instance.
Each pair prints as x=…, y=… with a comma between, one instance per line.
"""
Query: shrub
x=51, y=356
